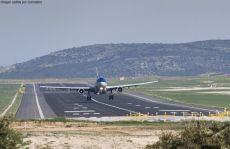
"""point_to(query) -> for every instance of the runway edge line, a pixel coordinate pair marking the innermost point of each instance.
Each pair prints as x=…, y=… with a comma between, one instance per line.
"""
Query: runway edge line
x=38, y=105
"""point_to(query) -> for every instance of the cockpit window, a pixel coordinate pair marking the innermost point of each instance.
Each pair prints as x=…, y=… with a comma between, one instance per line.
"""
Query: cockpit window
x=101, y=80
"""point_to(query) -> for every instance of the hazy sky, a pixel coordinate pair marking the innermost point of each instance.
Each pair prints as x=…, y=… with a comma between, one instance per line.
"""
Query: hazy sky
x=32, y=30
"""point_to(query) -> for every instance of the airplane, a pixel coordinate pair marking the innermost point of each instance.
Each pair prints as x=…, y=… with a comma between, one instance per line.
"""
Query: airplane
x=100, y=87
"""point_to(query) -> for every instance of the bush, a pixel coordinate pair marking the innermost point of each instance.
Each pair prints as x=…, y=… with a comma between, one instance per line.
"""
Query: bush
x=9, y=138
x=198, y=135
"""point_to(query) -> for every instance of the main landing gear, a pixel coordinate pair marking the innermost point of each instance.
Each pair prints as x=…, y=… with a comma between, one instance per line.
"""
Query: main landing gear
x=111, y=95
x=89, y=96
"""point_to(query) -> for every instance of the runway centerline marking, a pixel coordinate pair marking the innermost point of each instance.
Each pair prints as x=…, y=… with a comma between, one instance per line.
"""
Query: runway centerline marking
x=38, y=105
x=127, y=110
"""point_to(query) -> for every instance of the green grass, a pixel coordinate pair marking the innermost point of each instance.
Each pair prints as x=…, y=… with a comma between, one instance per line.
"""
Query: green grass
x=7, y=92
x=12, y=111
x=191, y=97
x=82, y=123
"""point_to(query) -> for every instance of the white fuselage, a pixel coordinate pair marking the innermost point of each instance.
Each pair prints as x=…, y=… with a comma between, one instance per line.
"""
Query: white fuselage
x=100, y=87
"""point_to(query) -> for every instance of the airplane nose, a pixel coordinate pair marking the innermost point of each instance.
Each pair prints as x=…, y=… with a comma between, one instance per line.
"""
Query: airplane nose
x=103, y=83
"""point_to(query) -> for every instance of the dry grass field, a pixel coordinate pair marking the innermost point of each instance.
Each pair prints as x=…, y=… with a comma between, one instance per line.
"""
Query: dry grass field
x=88, y=135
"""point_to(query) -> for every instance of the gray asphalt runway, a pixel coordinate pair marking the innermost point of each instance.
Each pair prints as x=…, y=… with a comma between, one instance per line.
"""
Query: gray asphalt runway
x=71, y=104
x=28, y=108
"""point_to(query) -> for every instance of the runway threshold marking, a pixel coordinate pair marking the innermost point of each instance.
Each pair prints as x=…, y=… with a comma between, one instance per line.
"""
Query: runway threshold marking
x=38, y=105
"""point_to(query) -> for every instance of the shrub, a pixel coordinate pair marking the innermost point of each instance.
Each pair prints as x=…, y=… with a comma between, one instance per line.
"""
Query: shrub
x=9, y=138
x=198, y=135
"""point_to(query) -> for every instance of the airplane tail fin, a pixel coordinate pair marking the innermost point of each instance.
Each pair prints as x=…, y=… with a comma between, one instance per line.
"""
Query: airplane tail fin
x=97, y=72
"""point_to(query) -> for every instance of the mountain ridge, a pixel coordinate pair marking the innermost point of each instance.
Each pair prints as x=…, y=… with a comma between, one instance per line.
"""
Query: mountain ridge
x=128, y=59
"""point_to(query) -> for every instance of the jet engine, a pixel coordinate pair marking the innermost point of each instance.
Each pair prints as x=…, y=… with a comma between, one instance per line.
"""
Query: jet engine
x=119, y=89
x=81, y=91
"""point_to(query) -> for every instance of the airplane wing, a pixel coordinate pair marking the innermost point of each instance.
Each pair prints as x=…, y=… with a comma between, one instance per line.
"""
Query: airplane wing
x=129, y=85
x=67, y=88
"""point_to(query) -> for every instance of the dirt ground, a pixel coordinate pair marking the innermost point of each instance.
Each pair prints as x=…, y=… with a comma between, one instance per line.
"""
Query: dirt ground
x=74, y=135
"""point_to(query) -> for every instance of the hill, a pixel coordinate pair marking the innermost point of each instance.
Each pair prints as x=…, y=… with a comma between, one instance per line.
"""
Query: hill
x=135, y=59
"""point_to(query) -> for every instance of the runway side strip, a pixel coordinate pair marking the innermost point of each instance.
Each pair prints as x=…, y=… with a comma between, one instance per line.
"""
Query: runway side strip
x=38, y=105
x=11, y=104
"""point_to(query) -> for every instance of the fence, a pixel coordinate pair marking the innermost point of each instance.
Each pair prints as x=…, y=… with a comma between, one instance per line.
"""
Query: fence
x=147, y=116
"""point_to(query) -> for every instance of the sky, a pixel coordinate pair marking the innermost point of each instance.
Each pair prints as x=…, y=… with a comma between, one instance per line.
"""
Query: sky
x=32, y=30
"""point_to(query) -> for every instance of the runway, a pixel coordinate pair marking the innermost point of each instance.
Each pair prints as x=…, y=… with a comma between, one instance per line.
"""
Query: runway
x=40, y=103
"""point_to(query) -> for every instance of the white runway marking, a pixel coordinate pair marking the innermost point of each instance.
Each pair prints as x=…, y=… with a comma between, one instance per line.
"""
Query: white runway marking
x=130, y=103
x=75, y=113
x=76, y=104
x=113, y=106
x=96, y=113
x=75, y=108
x=138, y=105
x=155, y=107
x=175, y=110
x=147, y=107
x=178, y=105
x=85, y=113
x=80, y=111
x=84, y=107
x=38, y=105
